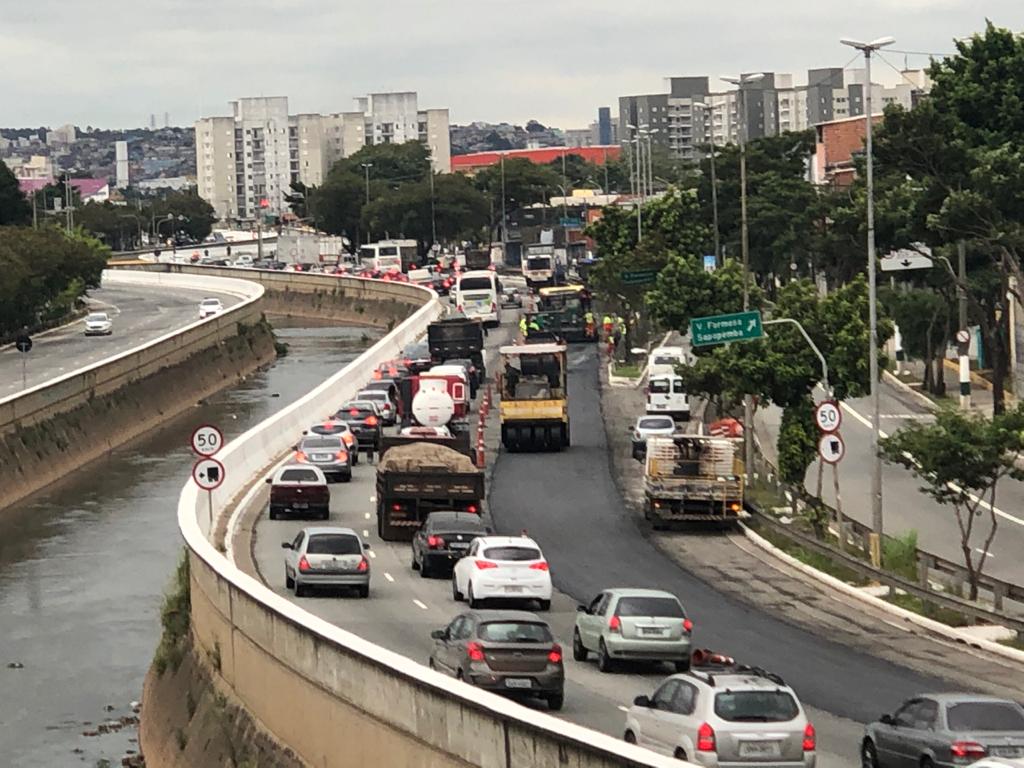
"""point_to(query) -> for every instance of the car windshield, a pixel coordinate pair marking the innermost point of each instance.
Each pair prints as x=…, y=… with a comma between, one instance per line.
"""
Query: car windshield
x=659, y=386
x=96, y=317
x=663, y=607
x=756, y=706
x=374, y=395
x=356, y=412
x=316, y=443
x=985, y=716
x=538, y=262
x=514, y=632
x=299, y=476
x=475, y=284
x=666, y=360
x=512, y=553
x=468, y=524
x=333, y=544
x=211, y=302
x=662, y=422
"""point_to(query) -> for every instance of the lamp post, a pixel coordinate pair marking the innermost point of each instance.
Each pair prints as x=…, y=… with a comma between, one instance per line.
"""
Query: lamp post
x=366, y=171
x=639, y=183
x=138, y=221
x=748, y=401
x=504, y=217
x=876, y=459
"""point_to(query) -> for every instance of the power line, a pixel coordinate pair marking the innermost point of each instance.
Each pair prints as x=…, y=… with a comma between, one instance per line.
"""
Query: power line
x=899, y=72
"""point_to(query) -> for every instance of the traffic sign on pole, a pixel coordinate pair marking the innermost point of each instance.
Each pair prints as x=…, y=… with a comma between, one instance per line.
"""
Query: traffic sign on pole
x=831, y=447
x=828, y=416
x=721, y=329
x=206, y=440
x=208, y=473
x=23, y=343
x=638, y=276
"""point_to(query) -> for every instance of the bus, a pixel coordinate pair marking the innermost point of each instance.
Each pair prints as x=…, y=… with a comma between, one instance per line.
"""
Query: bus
x=478, y=296
x=389, y=255
x=539, y=265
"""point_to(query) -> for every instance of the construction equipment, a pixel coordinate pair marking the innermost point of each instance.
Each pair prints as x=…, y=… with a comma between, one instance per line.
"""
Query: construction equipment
x=693, y=479
x=534, y=387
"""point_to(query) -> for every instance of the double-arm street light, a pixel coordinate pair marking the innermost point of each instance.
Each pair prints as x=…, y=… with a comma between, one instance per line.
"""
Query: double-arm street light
x=876, y=460
x=636, y=140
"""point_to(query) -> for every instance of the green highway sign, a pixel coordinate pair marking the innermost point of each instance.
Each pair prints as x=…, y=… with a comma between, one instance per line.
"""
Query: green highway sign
x=638, y=276
x=721, y=329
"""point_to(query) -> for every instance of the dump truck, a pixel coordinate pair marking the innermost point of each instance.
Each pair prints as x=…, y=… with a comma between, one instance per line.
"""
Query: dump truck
x=692, y=478
x=534, y=388
x=421, y=477
x=457, y=338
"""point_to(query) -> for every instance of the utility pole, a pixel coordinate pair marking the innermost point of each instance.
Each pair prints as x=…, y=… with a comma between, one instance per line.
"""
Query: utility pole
x=366, y=170
x=606, y=171
x=504, y=219
x=433, y=211
x=714, y=207
x=964, y=334
x=876, y=459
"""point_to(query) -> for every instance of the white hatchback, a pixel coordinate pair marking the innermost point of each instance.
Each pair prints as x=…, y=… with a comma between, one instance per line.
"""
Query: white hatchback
x=502, y=567
x=210, y=307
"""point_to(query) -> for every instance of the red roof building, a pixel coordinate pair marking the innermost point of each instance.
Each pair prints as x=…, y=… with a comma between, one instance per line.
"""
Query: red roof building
x=474, y=161
x=89, y=190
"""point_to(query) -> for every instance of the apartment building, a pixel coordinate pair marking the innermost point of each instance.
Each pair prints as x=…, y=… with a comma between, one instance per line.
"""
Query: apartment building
x=257, y=153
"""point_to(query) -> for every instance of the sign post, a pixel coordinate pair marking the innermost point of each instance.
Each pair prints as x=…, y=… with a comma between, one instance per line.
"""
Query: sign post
x=721, y=329
x=208, y=472
x=24, y=345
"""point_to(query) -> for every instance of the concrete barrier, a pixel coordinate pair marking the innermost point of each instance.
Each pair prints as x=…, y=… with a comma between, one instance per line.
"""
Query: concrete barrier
x=335, y=699
x=67, y=392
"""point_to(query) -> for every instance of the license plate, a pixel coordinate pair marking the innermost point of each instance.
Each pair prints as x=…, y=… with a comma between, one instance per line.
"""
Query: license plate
x=460, y=545
x=300, y=505
x=519, y=682
x=513, y=588
x=652, y=631
x=322, y=457
x=760, y=749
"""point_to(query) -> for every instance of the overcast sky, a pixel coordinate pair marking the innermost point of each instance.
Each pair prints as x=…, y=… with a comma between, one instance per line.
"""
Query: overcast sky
x=111, y=64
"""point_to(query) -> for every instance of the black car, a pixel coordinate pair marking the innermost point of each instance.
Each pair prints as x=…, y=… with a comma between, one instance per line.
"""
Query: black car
x=444, y=538
x=417, y=357
x=365, y=424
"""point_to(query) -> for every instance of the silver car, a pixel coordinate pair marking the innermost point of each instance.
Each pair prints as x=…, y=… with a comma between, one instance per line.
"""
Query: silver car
x=944, y=730
x=326, y=557
x=327, y=452
x=633, y=624
x=728, y=718
x=98, y=324
x=649, y=426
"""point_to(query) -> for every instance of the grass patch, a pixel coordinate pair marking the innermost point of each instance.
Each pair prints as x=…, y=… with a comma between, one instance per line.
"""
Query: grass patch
x=899, y=555
x=626, y=370
x=174, y=617
x=919, y=606
x=1015, y=642
x=813, y=559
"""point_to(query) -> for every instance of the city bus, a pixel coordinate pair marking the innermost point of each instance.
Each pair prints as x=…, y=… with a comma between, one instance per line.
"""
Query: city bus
x=389, y=255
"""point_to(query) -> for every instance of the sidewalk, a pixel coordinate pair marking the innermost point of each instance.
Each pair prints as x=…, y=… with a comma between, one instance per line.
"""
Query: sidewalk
x=912, y=374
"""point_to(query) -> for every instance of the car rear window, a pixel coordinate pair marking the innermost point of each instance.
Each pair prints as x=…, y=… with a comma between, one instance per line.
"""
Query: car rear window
x=664, y=360
x=374, y=395
x=662, y=607
x=985, y=716
x=329, y=429
x=514, y=632
x=659, y=423
x=299, y=476
x=333, y=544
x=465, y=525
x=660, y=386
x=313, y=443
x=355, y=413
x=512, y=553
x=755, y=706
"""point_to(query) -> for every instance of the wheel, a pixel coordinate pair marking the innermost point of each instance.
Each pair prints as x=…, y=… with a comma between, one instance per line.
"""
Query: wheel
x=289, y=582
x=273, y=514
x=926, y=762
x=363, y=591
x=604, y=661
x=545, y=605
x=415, y=565
x=425, y=570
x=679, y=754
x=355, y=458
x=300, y=591
x=347, y=478
x=456, y=595
x=579, y=651
x=325, y=515
x=868, y=755
x=555, y=701
x=682, y=665
x=473, y=602
x=629, y=737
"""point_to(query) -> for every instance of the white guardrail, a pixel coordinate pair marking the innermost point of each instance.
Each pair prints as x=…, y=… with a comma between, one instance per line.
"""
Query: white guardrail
x=61, y=394
x=331, y=696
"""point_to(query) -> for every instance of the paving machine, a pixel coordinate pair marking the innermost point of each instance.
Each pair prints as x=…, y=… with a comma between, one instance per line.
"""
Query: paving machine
x=534, y=388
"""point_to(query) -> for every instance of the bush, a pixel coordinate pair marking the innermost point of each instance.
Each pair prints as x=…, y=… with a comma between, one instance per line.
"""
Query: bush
x=175, y=615
x=899, y=555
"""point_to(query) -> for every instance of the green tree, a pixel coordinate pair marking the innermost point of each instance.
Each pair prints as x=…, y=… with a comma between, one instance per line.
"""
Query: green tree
x=14, y=208
x=798, y=441
x=116, y=226
x=960, y=460
x=198, y=214
x=460, y=210
x=925, y=316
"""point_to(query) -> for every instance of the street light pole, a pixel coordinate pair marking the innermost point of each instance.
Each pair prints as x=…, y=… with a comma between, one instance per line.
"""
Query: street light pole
x=714, y=207
x=876, y=459
x=504, y=219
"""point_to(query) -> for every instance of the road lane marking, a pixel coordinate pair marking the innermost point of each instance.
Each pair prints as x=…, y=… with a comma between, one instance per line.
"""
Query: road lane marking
x=624, y=709
x=980, y=502
x=367, y=515
x=420, y=604
x=366, y=534
x=388, y=576
x=983, y=552
x=372, y=554
x=372, y=499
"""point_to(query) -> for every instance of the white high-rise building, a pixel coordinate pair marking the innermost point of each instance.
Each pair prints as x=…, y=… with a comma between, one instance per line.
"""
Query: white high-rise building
x=121, y=160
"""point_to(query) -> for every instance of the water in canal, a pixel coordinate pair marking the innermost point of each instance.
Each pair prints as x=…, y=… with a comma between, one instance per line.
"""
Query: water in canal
x=83, y=568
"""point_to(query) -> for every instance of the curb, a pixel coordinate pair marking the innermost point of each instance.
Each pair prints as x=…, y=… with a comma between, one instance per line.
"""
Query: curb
x=901, y=385
x=951, y=633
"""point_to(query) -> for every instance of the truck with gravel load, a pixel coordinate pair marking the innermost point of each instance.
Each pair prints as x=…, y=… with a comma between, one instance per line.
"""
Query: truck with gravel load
x=691, y=478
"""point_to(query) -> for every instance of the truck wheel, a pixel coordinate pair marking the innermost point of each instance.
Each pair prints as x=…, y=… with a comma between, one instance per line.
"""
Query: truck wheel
x=566, y=438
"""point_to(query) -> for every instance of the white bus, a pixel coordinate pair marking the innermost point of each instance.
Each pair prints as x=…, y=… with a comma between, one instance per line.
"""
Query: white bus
x=478, y=296
x=389, y=255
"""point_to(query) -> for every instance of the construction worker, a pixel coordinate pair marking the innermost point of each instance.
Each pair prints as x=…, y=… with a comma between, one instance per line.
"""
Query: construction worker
x=533, y=325
x=522, y=325
x=588, y=322
x=608, y=325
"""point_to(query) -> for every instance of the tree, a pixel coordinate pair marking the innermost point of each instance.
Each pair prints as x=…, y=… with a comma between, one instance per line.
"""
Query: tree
x=960, y=460
x=925, y=316
x=14, y=208
x=198, y=214
x=116, y=226
x=525, y=183
x=460, y=210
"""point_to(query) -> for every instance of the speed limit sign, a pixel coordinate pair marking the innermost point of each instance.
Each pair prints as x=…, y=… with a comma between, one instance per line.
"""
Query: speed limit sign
x=827, y=416
x=207, y=440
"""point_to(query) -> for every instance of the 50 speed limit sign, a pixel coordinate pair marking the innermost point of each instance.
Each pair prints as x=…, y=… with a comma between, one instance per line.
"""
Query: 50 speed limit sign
x=207, y=440
x=828, y=416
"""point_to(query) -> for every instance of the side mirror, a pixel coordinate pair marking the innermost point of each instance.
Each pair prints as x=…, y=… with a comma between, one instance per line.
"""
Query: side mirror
x=439, y=634
x=286, y=545
x=582, y=609
x=270, y=480
x=295, y=447
x=886, y=720
x=642, y=701
x=305, y=432
x=366, y=545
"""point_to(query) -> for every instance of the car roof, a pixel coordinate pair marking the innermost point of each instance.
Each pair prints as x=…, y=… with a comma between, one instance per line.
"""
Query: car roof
x=964, y=698
x=453, y=516
x=499, y=615
x=734, y=680
x=320, y=530
x=210, y=299
x=508, y=541
x=630, y=592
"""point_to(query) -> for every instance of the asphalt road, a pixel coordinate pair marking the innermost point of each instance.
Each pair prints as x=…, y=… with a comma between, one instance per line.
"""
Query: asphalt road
x=905, y=508
x=139, y=315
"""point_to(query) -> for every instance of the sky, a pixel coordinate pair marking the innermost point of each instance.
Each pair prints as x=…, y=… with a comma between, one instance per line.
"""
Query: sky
x=110, y=63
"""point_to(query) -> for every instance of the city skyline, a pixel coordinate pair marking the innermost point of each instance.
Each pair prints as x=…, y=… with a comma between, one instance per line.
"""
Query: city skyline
x=557, y=72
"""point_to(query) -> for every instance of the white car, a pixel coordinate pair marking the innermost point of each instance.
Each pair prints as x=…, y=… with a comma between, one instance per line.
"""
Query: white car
x=210, y=307
x=388, y=412
x=503, y=567
x=98, y=324
x=243, y=260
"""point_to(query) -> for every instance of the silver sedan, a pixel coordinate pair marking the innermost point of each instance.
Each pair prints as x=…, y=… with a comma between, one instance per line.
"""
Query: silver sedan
x=326, y=557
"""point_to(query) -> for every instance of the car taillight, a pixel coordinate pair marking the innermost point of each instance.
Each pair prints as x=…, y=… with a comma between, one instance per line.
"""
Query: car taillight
x=364, y=565
x=810, y=740
x=458, y=308
x=349, y=438
x=494, y=307
x=541, y=566
x=555, y=654
x=435, y=542
x=342, y=455
x=303, y=564
x=371, y=421
x=687, y=625
x=353, y=411
x=475, y=651
x=396, y=507
x=705, y=738
x=485, y=564
x=472, y=509
x=967, y=749
x=615, y=624
x=300, y=456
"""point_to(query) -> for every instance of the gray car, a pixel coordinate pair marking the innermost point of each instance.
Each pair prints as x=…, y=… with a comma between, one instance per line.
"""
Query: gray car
x=730, y=717
x=649, y=426
x=944, y=730
x=633, y=624
x=329, y=453
x=326, y=557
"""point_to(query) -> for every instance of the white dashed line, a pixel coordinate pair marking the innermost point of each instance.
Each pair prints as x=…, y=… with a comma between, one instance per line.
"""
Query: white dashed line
x=420, y=604
x=367, y=515
x=983, y=552
x=624, y=709
x=372, y=498
x=366, y=534
x=389, y=577
x=372, y=554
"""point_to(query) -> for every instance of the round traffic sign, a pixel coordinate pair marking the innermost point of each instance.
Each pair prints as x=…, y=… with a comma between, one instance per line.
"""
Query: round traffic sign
x=23, y=343
x=207, y=440
x=828, y=416
x=964, y=337
x=831, y=447
x=208, y=473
